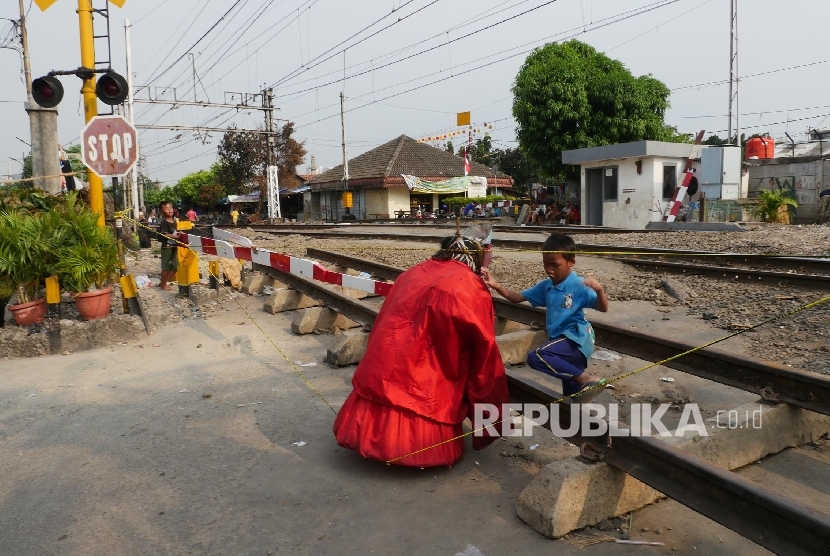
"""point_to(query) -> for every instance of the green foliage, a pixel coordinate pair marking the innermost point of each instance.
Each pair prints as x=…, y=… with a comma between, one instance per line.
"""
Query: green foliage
x=569, y=96
x=451, y=201
x=153, y=194
x=26, y=199
x=449, y=147
x=74, y=153
x=770, y=203
x=64, y=240
x=28, y=243
x=87, y=254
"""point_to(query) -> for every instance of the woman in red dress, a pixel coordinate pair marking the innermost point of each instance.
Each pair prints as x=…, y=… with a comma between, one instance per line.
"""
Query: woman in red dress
x=431, y=356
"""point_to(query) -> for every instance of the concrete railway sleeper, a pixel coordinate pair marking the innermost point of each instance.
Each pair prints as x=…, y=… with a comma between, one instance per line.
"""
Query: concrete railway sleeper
x=798, y=388
x=770, y=520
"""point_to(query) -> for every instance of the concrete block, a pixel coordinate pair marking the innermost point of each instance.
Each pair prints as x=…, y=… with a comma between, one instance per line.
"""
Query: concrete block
x=255, y=283
x=287, y=300
x=571, y=494
x=514, y=346
x=504, y=326
x=349, y=349
x=322, y=319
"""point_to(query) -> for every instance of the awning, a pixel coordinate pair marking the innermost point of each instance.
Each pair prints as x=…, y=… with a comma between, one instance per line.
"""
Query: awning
x=301, y=189
x=252, y=198
x=452, y=185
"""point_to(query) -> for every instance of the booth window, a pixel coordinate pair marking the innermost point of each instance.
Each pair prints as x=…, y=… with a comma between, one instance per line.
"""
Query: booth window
x=669, y=181
x=609, y=184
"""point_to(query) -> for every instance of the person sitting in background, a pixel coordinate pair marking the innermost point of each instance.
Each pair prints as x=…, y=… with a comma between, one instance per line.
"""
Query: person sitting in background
x=824, y=206
x=469, y=210
x=553, y=214
x=533, y=208
x=191, y=215
x=573, y=215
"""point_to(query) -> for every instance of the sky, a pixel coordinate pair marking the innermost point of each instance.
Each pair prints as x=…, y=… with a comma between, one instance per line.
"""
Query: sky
x=411, y=65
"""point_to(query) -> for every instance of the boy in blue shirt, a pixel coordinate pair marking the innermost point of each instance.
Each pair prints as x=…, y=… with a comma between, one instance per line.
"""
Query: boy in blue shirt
x=571, y=337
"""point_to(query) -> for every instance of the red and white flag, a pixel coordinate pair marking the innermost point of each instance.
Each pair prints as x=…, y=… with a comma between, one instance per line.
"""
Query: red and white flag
x=466, y=163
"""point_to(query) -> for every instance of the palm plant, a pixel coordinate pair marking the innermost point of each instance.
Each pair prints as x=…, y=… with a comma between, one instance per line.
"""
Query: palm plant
x=88, y=254
x=27, y=251
x=771, y=201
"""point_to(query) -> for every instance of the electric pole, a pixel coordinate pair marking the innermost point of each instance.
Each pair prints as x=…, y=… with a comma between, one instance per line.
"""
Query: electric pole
x=272, y=170
x=734, y=75
x=343, y=131
x=24, y=38
x=43, y=126
x=136, y=197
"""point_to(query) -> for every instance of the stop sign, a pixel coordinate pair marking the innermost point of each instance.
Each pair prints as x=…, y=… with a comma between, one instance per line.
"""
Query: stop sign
x=109, y=146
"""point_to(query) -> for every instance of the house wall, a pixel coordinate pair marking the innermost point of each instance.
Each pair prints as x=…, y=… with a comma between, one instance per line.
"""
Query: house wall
x=397, y=199
x=377, y=203
x=804, y=181
x=639, y=196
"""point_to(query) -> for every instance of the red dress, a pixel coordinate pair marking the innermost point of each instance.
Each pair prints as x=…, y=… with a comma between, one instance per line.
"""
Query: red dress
x=431, y=355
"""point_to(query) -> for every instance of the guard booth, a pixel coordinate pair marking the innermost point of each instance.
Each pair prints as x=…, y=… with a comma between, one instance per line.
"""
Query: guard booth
x=628, y=185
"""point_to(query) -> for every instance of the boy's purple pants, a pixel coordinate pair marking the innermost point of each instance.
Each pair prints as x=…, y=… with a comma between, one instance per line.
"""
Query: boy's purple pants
x=561, y=358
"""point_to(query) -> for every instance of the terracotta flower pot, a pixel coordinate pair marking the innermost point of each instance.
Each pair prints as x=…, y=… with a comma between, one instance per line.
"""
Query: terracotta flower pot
x=29, y=313
x=93, y=305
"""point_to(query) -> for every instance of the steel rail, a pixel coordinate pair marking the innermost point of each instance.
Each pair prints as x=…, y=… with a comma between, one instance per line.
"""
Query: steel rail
x=777, y=523
x=442, y=224
x=728, y=273
x=794, y=387
x=353, y=309
x=802, y=264
x=763, y=517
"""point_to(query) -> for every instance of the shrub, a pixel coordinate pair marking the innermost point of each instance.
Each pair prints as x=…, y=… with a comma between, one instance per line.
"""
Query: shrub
x=771, y=201
x=450, y=201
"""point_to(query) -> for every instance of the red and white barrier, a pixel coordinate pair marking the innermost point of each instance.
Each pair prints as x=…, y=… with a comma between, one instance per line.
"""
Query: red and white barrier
x=284, y=263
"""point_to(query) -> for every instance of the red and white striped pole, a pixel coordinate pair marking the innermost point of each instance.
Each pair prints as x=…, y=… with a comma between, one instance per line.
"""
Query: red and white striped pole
x=680, y=192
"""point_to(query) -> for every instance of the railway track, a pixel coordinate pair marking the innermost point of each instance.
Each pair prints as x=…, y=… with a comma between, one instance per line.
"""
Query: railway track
x=797, y=388
x=443, y=224
x=792, y=270
x=772, y=521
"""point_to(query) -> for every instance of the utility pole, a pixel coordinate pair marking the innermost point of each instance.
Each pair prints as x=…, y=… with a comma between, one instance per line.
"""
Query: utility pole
x=96, y=185
x=43, y=126
x=274, y=210
x=734, y=75
x=343, y=131
x=27, y=69
x=136, y=199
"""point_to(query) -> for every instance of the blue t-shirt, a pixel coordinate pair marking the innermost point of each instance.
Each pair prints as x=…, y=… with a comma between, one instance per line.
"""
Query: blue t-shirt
x=469, y=208
x=564, y=303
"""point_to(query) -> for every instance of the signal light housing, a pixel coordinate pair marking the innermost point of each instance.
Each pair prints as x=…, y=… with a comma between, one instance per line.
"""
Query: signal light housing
x=111, y=88
x=47, y=91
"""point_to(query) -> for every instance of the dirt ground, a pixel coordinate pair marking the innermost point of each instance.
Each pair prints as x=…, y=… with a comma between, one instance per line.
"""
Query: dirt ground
x=203, y=439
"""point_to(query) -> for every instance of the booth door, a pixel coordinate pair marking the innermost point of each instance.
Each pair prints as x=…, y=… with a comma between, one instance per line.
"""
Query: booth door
x=593, y=184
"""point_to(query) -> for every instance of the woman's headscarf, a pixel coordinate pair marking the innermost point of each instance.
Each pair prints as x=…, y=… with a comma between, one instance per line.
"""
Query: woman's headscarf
x=463, y=250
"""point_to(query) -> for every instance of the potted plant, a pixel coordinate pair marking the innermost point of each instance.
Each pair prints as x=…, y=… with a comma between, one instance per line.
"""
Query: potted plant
x=27, y=246
x=774, y=205
x=86, y=260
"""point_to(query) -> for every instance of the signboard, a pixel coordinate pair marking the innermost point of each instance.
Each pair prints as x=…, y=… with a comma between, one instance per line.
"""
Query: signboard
x=477, y=187
x=109, y=146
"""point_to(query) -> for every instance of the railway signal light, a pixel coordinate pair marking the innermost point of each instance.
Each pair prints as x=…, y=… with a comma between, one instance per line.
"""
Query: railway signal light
x=111, y=88
x=47, y=91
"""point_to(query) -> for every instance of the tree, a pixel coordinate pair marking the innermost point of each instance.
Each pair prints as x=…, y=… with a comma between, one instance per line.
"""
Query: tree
x=569, y=96
x=290, y=154
x=449, y=147
x=74, y=155
x=243, y=158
